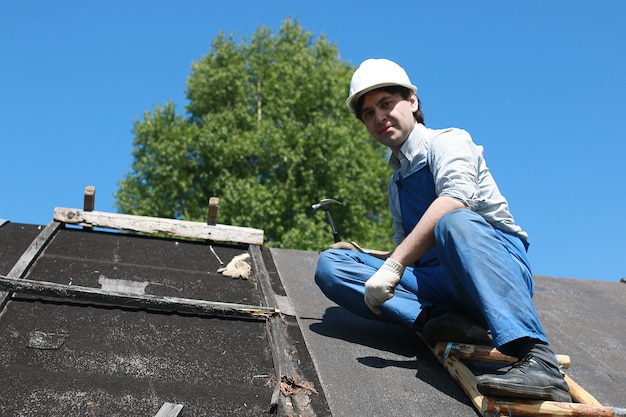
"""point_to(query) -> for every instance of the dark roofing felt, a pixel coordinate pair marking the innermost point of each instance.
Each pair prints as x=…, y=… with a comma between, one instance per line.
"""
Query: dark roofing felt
x=60, y=358
x=367, y=368
x=67, y=358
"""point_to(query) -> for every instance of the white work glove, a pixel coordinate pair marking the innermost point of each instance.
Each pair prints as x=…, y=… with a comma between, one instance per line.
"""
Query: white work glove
x=237, y=267
x=381, y=286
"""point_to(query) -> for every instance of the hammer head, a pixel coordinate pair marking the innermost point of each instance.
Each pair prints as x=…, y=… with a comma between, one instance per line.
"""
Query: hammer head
x=325, y=204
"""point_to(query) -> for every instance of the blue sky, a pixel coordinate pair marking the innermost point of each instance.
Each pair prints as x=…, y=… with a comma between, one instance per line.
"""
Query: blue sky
x=540, y=84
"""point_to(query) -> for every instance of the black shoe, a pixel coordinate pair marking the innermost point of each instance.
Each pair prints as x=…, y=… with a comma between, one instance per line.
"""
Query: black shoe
x=453, y=327
x=535, y=376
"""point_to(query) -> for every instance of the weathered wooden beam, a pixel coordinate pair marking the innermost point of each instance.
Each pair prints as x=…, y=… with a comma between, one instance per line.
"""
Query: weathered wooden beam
x=501, y=407
x=214, y=205
x=146, y=301
x=487, y=353
x=579, y=394
x=29, y=255
x=493, y=406
x=286, y=368
x=172, y=227
x=89, y=198
x=37, y=245
x=89, y=201
x=280, y=352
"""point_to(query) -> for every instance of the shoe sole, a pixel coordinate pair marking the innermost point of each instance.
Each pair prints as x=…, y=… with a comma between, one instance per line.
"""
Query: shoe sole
x=525, y=392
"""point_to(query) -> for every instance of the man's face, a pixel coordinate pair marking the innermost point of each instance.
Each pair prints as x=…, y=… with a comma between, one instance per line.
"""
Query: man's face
x=388, y=117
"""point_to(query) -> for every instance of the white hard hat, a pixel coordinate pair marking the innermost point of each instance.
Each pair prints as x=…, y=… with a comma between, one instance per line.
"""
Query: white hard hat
x=376, y=73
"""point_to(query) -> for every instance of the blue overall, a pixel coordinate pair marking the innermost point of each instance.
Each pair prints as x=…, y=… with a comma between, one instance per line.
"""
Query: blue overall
x=474, y=268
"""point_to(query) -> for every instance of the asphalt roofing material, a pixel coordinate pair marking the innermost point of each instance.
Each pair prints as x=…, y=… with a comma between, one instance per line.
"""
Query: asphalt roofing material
x=368, y=368
x=63, y=357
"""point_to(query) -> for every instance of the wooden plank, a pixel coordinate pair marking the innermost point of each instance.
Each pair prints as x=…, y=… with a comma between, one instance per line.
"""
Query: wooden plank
x=169, y=410
x=89, y=202
x=89, y=199
x=487, y=353
x=466, y=379
x=579, y=394
x=494, y=407
x=29, y=255
x=499, y=407
x=288, y=374
x=263, y=278
x=146, y=301
x=172, y=227
x=27, y=258
x=279, y=349
x=214, y=205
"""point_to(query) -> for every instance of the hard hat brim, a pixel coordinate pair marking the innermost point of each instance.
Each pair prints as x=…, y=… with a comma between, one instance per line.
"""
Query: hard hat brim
x=351, y=101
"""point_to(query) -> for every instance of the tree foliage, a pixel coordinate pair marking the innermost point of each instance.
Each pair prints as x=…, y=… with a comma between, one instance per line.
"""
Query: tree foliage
x=267, y=131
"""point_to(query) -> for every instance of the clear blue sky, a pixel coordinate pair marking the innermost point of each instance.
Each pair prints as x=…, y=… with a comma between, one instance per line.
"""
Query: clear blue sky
x=540, y=84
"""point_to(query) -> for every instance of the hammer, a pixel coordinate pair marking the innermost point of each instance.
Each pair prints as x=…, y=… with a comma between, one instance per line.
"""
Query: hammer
x=325, y=205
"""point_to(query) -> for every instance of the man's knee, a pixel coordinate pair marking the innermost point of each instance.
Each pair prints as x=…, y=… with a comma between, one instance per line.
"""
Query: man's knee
x=456, y=220
x=326, y=271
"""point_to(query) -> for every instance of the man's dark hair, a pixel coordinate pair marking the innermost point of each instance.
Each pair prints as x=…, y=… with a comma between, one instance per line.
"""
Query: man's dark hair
x=404, y=92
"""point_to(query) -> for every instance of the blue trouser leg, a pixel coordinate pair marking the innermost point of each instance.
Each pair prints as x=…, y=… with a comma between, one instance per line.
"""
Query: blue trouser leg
x=482, y=272
x=493, y=269
x=341, y=275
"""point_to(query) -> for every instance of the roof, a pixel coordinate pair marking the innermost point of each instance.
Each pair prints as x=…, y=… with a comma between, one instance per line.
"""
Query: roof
x=67, y=356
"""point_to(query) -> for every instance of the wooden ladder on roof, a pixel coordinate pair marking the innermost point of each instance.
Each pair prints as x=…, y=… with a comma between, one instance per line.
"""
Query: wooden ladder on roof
x=454, y=355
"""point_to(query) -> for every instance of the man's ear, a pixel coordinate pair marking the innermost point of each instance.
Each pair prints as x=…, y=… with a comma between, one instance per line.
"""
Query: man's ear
x=414, y=103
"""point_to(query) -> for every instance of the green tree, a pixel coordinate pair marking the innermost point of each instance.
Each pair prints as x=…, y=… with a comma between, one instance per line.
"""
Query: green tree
x=267, y=131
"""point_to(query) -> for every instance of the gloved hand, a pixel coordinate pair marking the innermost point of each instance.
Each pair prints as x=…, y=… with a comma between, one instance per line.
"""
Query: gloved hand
x=237, y=267
x=381, y=286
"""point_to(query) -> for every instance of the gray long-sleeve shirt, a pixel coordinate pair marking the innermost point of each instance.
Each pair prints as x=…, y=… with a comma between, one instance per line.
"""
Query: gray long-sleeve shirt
x=459, y=171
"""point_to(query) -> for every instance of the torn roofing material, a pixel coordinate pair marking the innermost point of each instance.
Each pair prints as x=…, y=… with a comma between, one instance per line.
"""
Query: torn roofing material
x=62, y=353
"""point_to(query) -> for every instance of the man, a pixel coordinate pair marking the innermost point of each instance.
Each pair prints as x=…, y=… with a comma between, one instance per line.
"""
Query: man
x=460, y=259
